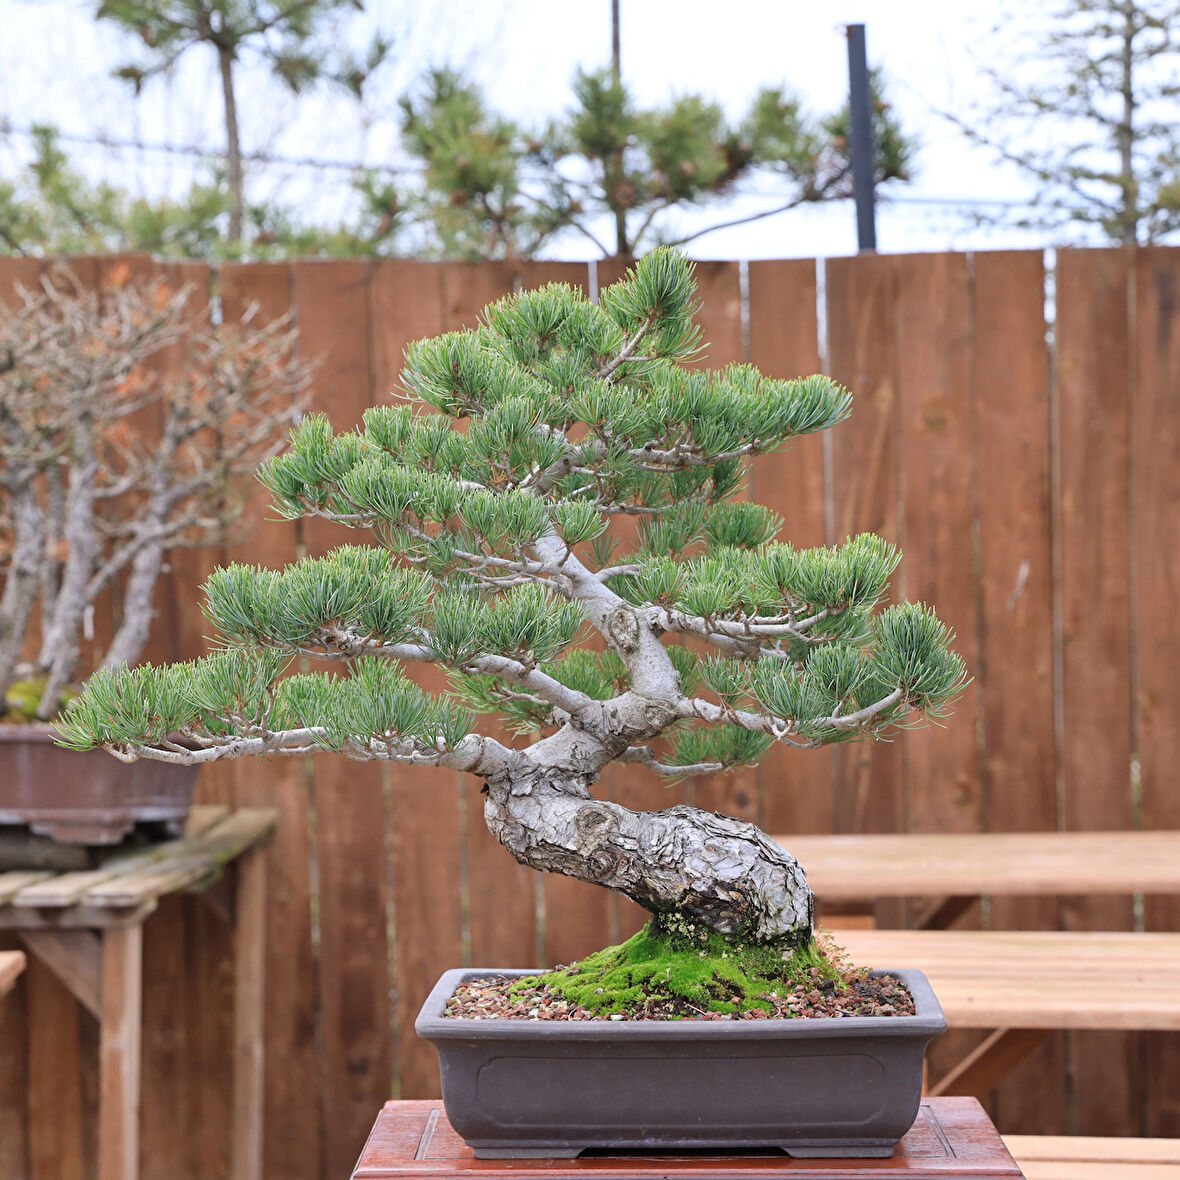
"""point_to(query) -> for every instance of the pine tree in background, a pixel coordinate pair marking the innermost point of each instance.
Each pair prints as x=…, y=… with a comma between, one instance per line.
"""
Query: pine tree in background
x=494, y=189
x=289, y=35
x=494, y=560
x=1091, y=112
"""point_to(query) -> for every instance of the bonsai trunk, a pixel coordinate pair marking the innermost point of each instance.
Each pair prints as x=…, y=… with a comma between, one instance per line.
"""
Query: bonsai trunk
x=721, y=872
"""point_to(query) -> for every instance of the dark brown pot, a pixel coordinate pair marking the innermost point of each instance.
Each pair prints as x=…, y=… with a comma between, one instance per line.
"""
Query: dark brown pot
x=830, y=1086
x=90, y=797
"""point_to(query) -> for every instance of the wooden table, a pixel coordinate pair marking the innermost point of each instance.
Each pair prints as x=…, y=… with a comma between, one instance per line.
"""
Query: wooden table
x=12, y=963
x=1082, y=1157
x=87, y=927
x=951, y=1138
x=961, y=867
x=1022, y=984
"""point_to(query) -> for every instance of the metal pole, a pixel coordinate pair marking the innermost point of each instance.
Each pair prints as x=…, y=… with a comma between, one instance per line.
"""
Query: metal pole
x=615, y=57
x=861, y=127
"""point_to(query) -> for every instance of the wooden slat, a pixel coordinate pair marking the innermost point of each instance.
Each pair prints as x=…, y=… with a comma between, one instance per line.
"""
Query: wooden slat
x=502, y=895
x=14, y=1060
x=249, y=1006
x=332, y=302
x=934, y=382
x=998, y=863
x=863, y=349
x=119, y=1054
x=13, y=882
x=795, y=785
x=55, y=1096
x=75, y=957
x=293, y=1126
x=1083, y=1157
x=1011, y=420
x=1155, y=483
x=1024, y=979
x=1096, y=689
x=12, y=963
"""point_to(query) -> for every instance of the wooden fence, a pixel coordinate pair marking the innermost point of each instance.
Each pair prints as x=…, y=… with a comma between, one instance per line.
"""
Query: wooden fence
x=1032, y=476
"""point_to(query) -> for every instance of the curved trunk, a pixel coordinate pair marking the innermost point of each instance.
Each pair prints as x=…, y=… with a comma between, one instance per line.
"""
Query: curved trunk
x=722, y=872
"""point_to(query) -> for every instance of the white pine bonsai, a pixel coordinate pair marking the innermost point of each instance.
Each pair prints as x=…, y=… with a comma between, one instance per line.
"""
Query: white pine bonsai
x=494, y=562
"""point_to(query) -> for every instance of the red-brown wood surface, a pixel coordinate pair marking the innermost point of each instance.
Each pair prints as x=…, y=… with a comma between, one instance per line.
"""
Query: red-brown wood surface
x=1096, y=749
x=863, y=350
x=795, y=785
x=1018, y=774
x=951, y=1137
x=1011, y=422
x=341, y=998
x=1155, y=490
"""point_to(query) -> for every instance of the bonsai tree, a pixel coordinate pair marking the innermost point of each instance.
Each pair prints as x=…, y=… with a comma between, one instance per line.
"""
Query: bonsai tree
x=550, y=421
x=125, y=419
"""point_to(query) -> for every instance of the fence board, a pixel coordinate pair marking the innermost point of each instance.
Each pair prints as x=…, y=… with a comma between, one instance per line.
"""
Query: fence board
x=1092, y=367
x=1155, y=486
x=293, y=1125
x=1010, y=390
x=862, y=348
x=932, y=401
x=332, y=307
x=796, y=785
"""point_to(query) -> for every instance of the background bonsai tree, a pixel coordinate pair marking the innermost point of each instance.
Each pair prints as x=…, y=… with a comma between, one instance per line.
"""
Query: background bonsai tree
x=125, y=416
x=494, y=561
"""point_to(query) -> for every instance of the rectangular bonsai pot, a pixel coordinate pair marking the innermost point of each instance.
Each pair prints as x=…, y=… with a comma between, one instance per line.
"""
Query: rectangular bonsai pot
x=823, y=1087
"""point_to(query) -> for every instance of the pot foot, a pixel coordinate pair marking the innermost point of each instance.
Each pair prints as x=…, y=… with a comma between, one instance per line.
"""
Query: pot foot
x=543, y=1152
x=838, y=1151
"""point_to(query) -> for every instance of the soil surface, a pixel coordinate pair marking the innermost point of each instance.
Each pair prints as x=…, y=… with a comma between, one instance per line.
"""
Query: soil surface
x=501, y=998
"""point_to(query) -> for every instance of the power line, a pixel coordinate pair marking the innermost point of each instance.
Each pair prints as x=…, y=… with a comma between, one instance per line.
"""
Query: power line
x=114, y=144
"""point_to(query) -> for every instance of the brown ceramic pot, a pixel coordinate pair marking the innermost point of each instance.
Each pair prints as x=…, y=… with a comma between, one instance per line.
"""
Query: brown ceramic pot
x=90, y=797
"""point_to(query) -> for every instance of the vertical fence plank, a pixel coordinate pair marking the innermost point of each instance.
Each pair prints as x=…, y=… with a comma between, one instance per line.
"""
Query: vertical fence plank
x=423, y=804
x=1011, y=417
x=1155, y=484
x=1092, y=367
x=941, y=785
x=796, y=785
x=863, y=355
x=292, y=1124
x=55, y=1096
x=934, y=379
x=332, y=308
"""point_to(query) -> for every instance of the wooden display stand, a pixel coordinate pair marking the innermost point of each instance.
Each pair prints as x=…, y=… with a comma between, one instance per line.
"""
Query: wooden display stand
x=87, y=928
x=952, y=1137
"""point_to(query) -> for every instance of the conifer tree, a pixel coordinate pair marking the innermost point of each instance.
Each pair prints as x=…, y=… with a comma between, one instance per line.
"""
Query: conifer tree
x=1090, y=111
x=494, y=559
x=286, y=34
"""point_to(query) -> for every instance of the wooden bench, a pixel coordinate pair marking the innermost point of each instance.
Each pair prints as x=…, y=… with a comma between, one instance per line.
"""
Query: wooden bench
x=1021, y=984
x=1070, y=1157
x=12, y=963
x=954, y=869
x=86, y=927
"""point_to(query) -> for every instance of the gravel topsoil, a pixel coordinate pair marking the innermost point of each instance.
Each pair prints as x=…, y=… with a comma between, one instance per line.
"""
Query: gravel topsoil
x=492, y=998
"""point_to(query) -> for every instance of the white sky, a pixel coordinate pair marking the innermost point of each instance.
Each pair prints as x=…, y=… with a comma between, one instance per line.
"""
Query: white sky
x=55, y=65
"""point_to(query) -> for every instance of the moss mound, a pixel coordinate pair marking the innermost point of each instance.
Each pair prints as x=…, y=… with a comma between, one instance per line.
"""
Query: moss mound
x=672, y=959
x=23, y=699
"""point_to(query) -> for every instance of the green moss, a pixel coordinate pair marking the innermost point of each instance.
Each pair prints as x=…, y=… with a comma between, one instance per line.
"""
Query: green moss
x=672, y=958
x=24, y=698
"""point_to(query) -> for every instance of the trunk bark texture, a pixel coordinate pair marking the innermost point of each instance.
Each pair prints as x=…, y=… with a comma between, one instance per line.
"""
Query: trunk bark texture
x=233, y=144
x=24, y=572
x=719, y=871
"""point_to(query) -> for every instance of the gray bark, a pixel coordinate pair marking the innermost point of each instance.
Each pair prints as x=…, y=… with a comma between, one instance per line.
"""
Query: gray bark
x=20, y=587
x=132, y=635
x=719, y=871
x=62, y=644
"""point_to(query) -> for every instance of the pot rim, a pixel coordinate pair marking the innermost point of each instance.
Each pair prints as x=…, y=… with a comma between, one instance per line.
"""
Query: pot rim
x=927, y=1021
x=28, y=731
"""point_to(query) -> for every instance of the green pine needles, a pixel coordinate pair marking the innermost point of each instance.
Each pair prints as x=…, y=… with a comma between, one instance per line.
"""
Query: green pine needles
x=497, y=493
